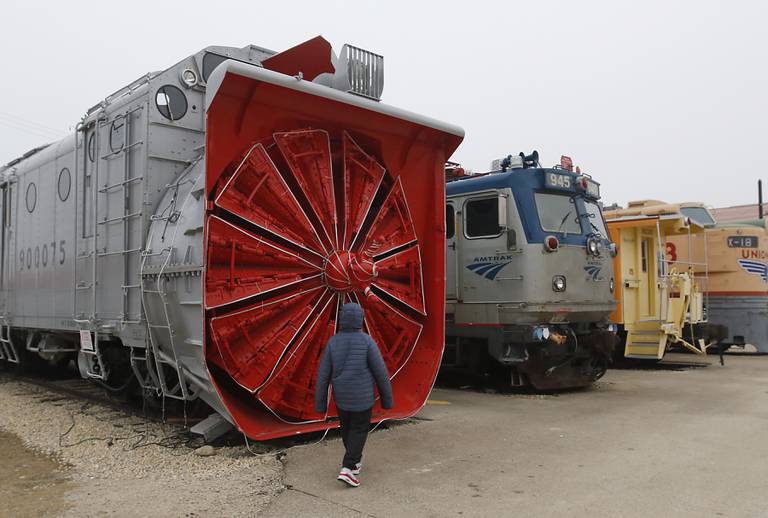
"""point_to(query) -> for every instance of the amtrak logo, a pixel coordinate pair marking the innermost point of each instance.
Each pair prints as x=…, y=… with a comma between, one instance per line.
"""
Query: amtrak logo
x=593, y=272
x=488, y=267
x=755, y=268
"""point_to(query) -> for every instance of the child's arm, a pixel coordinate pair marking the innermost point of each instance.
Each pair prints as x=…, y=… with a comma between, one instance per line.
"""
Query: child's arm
x=323, y=379
x=380, y=374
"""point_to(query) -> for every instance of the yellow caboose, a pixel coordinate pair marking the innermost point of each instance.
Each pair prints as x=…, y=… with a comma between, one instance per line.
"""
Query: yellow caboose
x=659, y=302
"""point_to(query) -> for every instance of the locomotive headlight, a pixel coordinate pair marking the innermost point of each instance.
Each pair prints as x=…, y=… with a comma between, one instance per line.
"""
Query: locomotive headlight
x=593, y=247
x=611, y=285
x=541, y=334
x=558, y=283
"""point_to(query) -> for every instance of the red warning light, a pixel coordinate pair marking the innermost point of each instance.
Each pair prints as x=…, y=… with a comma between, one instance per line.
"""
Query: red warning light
x=566, y=163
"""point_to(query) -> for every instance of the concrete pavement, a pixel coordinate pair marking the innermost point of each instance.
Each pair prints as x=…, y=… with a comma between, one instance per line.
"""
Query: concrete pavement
x=662, y=442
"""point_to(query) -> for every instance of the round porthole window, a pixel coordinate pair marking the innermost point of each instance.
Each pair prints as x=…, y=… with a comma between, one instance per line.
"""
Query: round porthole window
x=117, y=135
x=92, y=147
x=171, y=102
x=31, y=197
x=65, y=184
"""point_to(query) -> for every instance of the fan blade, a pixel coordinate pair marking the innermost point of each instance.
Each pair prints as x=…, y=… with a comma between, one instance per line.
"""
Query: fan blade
x=394, y=333
x=258, y=193
x=241, y=265
x=252, y=341
x=392, y=227
x=308, y=154
x=362, y=177
x=399, y=275
x=290, y=392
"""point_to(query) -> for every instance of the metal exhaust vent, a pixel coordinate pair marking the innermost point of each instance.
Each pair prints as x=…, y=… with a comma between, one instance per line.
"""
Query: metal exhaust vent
x=365, y=71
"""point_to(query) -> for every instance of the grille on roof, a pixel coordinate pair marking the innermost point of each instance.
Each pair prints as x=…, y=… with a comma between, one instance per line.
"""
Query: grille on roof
x=365, y=71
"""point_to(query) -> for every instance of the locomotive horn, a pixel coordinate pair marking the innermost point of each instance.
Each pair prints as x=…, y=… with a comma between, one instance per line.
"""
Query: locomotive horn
x=531, y=160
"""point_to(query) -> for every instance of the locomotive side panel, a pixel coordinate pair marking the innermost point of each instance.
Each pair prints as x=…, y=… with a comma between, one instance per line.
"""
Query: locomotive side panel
x=40, y=259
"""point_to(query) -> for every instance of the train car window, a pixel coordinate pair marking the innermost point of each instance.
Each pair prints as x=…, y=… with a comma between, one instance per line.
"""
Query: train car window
x=92, y=147
x=117, y=134
x=171, y=102
x=482, y=217
x=557, y=213
x=210, y=62
x=31, y=197
x=65, y=184
x=595, y=221
x=698, y=214
x=644, y=255
x=450, y=222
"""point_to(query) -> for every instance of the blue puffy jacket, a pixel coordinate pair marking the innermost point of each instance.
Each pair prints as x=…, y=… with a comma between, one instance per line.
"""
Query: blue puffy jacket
x=351, y=362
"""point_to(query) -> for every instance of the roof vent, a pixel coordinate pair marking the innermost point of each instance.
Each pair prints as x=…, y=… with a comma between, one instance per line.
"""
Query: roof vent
x=358, y=71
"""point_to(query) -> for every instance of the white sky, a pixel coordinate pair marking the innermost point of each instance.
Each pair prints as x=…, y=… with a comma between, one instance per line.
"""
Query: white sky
x=655, y=99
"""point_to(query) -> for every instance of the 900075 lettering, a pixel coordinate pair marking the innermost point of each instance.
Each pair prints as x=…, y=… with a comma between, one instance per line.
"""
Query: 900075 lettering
x=42, y=256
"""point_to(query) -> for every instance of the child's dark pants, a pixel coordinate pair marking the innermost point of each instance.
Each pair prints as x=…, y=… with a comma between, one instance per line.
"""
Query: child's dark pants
x=354, y=432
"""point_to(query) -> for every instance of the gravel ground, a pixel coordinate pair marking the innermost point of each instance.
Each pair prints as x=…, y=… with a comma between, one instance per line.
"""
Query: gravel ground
x=122, y=465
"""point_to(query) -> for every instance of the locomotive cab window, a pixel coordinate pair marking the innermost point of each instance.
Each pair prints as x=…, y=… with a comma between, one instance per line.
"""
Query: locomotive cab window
x=210, y=62
x=557, y=213
x=481, y=217
x=450, y=222
x=595, y=219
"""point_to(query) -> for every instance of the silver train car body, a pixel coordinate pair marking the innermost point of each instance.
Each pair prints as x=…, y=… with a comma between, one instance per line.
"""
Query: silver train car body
x=101, y=233
x=529, y=277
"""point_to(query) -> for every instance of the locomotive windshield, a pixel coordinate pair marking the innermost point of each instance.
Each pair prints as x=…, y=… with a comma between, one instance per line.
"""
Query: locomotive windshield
x=557, y=213
x=595, y=220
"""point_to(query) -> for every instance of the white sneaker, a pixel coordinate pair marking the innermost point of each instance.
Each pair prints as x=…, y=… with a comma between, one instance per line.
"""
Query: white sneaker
x=357, y=469
x=348, y=477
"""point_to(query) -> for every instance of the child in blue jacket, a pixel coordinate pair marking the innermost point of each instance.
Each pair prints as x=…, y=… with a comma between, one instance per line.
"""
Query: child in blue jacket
x=352, y=363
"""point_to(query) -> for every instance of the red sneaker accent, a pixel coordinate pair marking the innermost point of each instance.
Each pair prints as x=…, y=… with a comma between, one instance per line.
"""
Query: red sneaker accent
x=348, y=478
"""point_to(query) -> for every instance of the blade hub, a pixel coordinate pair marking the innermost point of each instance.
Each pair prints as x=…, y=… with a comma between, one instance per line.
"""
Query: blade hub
x=346, y=271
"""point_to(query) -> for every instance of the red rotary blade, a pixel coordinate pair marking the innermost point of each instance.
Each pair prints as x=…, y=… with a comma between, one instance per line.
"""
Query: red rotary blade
x=252, y=341
x=258, y=193
x=362, y=177
x=290, y=392
x=394, y=333
x=393, y=226
x=241, y=265
x=308, y=154
x=399, y=275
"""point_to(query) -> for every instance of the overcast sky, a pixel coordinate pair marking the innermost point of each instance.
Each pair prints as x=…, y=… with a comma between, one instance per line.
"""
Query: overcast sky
x=655, y=99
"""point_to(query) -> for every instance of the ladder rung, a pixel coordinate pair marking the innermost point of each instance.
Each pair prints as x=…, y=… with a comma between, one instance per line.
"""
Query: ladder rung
x=120, y=218
x=120, y=252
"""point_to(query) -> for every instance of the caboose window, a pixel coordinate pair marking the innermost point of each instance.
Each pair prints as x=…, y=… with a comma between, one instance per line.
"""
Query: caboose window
x=450, y=223
x=482, y=217
x=557, y=213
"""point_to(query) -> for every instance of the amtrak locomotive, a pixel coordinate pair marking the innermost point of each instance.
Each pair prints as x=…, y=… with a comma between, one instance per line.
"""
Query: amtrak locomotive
x=529, y=274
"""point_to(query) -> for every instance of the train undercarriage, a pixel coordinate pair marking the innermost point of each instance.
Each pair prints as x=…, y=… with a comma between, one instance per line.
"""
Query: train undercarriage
x=563, y=356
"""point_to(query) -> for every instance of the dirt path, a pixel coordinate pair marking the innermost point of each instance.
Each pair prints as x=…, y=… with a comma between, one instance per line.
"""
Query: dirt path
x=119, y=465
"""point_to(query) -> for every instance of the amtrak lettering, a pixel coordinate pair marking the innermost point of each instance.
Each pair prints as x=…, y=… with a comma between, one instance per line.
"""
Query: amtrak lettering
x=490, y=266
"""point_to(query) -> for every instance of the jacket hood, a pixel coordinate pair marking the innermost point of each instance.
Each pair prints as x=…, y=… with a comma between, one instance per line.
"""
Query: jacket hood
x=351, y=317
